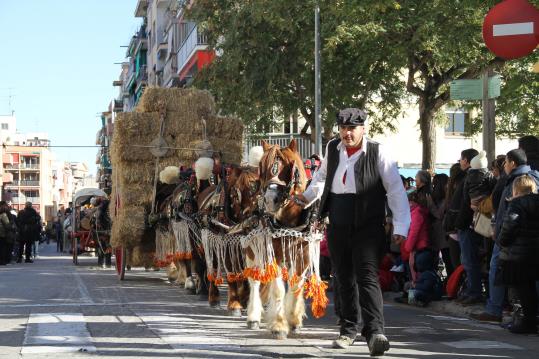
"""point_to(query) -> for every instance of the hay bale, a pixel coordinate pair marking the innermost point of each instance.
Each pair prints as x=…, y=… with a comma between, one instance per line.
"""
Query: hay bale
x=133, y=129
x=141, y=256
x=176, y=99
x=128, y=227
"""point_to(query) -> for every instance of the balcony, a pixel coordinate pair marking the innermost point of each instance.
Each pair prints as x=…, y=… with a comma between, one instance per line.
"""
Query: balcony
x=171, y=70
x=195, y=41
x=22, y=166
x=142, y=74
x=29, y=166
x=23, y=200
x=29, y=183
x=142, y=7
x=138, y=41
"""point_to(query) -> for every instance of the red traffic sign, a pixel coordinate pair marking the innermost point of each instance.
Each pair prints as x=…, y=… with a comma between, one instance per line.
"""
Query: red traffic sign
x=511, y=29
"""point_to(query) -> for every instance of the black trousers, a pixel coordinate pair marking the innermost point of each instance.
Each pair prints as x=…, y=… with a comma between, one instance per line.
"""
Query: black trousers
x=355, y=255
x=527, y=293
x=25, y=245
x=5, y=257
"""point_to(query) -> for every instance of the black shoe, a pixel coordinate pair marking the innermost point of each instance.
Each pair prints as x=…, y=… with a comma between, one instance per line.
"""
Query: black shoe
x=523, y=328
x=19, y=260
x=28, y=261
x=378, y=344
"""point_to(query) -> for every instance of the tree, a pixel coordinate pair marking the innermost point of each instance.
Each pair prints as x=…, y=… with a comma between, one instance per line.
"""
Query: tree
x=374, y=52
x=517, y=108
x=266, y=70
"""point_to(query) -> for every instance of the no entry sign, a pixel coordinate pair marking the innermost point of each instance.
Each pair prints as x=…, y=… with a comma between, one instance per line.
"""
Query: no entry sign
x=511, y=29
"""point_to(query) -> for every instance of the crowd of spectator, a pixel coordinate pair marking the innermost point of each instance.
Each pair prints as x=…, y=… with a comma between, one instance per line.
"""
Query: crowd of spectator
x=473, y=238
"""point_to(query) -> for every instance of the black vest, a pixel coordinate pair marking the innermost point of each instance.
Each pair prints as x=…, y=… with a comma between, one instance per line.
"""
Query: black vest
x=370, y=197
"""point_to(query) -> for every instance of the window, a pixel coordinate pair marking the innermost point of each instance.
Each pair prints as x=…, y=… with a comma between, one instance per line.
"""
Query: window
x=458, y=122
x=5, y=126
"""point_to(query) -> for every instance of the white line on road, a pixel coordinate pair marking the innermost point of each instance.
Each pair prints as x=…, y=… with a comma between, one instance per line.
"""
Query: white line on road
x=85, y=295
x=481, y=344
x=520, y=28
x=57, y=333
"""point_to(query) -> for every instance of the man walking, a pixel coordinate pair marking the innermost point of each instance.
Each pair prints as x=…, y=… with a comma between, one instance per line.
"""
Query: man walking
x=354, y=182
x=29, y=223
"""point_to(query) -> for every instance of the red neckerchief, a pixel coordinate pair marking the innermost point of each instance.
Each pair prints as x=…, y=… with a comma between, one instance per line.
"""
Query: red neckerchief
x=350, y=151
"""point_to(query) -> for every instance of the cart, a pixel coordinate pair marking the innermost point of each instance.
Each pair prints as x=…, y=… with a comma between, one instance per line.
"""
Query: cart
x=85, y=234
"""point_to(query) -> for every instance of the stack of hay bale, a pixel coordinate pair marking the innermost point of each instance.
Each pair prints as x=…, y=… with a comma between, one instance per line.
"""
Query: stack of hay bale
x=134, y=164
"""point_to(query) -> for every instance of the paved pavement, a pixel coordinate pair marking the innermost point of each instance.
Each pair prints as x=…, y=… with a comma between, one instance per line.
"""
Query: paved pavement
x=52, y=309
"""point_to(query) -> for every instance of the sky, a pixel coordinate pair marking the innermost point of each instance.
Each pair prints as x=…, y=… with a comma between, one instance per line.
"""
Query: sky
x=57, y=61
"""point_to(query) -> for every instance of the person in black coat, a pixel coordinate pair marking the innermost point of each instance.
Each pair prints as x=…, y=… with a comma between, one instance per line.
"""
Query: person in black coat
x=518, y=263
x=530, y=145
x=470, y=242
x=29, y=223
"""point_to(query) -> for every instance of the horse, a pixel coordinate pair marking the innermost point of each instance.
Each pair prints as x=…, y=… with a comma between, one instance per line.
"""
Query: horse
x=282, y=250
x=177, y=233
x=222, y=250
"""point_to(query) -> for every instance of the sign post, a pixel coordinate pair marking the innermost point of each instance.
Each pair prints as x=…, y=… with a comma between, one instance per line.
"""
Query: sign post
x=489, y=121
x=486, y=89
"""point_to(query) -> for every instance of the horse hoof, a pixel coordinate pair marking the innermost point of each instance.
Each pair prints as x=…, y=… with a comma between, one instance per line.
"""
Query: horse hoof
x=278, y=334
x=253, y=325
x=235, y=312
x=214, y=304
x=189, y=284
x=295, y=330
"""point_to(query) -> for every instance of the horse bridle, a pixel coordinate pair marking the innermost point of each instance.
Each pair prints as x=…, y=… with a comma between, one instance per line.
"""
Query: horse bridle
x=295, y=179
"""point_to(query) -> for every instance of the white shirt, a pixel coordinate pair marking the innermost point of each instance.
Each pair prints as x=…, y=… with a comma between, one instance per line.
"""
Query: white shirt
x=391, y=180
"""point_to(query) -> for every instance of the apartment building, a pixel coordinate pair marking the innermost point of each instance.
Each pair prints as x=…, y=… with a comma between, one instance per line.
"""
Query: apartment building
x=27, y=169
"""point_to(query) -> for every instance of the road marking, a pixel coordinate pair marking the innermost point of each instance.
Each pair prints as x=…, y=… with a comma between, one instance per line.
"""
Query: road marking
x=56, y=333
x=445, y=317
x=194, y=337
x=520, y=28
x=481, y=344
x=85, y=295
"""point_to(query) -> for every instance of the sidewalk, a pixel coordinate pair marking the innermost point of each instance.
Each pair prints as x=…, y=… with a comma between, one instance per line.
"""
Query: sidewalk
x=446, y=307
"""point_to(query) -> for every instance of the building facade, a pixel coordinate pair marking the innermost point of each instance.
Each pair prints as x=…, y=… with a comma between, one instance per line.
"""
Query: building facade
x=27, y=169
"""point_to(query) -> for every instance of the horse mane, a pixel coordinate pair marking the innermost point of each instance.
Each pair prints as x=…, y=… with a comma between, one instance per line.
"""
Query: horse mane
x=246, y=177
x=266, y=162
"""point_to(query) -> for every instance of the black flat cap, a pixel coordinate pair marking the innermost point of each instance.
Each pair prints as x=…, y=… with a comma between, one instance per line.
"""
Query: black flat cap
x=351, y=117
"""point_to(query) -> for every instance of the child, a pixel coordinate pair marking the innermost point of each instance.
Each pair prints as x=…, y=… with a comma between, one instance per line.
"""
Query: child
x=418, y=235
x=428, y=286
x=518, y=263
x=479, y=181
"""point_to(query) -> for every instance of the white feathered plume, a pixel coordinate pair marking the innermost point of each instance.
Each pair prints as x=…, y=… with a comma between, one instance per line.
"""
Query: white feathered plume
x=204, y=168
x=170, y=175
x=255, y=155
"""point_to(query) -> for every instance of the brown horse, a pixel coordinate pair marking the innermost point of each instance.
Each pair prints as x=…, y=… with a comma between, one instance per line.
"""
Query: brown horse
x=276, y=255
x=223, y=252
x=177, y=236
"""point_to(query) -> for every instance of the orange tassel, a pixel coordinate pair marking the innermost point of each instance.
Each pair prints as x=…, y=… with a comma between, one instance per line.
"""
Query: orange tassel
x=316, y=289
x=294, y=280
x=284, y=274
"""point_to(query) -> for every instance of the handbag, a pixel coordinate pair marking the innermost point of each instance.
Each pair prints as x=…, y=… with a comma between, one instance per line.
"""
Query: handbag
x=482, y=225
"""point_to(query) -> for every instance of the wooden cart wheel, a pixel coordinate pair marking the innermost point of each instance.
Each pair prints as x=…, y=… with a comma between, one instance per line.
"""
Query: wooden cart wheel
x=120, y=254
x=74, y=249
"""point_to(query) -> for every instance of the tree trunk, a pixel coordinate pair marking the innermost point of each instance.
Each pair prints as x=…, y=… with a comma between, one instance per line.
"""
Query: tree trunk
x=428, y=134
